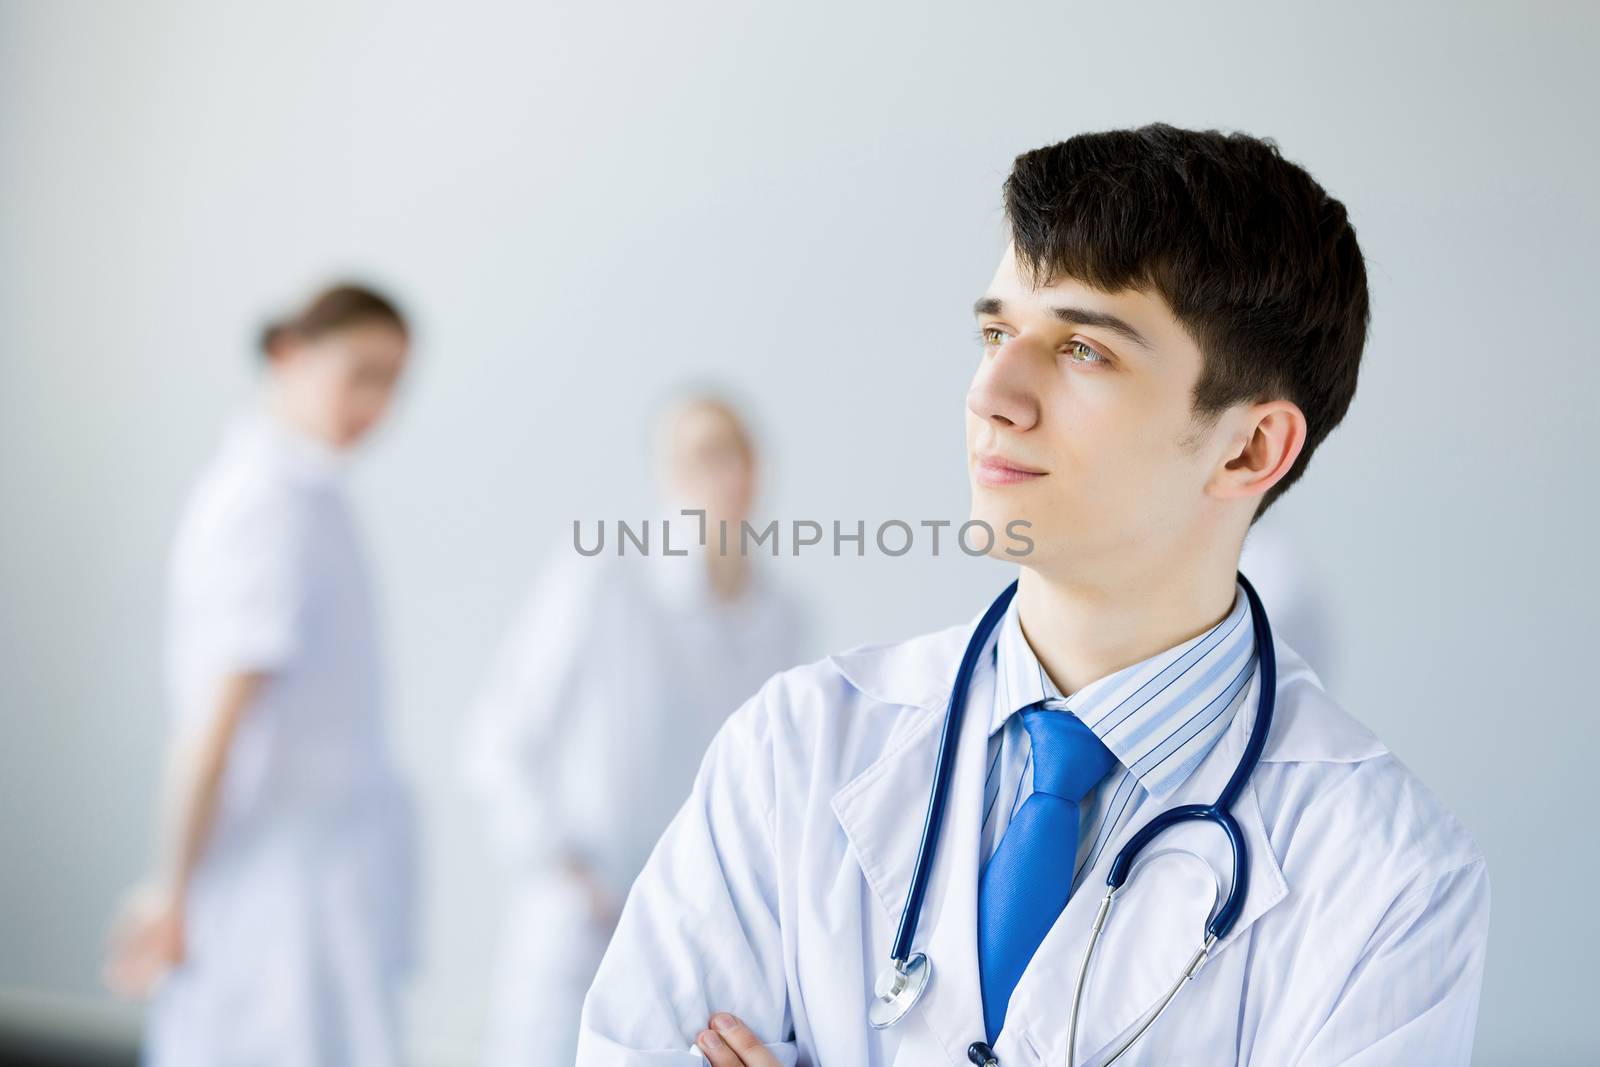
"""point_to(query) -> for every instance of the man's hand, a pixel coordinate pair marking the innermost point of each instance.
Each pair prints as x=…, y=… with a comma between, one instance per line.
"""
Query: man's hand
x=727, y=1042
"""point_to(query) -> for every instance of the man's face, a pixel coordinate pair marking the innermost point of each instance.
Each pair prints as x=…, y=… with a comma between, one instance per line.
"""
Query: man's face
x=1080, y=421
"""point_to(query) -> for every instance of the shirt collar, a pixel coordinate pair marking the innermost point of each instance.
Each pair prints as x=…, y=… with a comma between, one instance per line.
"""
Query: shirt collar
x=1182, y=698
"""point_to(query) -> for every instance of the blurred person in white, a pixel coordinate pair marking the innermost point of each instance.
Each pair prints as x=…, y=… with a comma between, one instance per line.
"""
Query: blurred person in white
x=607, y=690
x=276, y=926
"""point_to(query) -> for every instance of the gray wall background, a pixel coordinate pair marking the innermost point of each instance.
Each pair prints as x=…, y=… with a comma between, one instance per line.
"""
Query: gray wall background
x=587, y=202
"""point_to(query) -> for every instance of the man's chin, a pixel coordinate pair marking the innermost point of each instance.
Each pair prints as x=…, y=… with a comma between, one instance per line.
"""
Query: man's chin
x=1014, y=537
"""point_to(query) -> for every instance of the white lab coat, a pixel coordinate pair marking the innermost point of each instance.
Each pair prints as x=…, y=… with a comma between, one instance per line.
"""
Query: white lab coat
x=586, y=737
x=299, y=913
x=776, y=890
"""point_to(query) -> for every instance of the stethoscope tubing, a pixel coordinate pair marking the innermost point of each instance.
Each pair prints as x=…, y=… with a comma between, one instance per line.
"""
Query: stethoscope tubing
x=942, y=766
x=1218, y=813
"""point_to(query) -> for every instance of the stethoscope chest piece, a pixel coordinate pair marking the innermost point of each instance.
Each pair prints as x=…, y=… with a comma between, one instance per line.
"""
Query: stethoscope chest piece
x=897, y=990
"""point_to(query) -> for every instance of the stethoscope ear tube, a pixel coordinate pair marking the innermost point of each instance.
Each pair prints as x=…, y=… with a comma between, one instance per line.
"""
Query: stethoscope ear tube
x=1266, y=699
x=1218, y=812
x=1195, y=963
x=941, y=774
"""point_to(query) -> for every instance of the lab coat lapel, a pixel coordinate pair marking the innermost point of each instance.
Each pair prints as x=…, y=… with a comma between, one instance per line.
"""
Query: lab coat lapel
x=1158, y=921
x=881, y=812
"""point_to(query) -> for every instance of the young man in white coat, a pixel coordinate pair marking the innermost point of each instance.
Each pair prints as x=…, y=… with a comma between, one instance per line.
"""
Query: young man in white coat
x=1175, y=325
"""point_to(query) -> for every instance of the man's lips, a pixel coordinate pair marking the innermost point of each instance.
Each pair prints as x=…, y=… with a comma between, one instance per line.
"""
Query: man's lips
x=996, y=471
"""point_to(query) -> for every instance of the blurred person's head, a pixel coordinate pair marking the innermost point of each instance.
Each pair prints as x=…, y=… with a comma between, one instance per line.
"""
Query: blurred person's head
x=334, y=364
x=709, y=458
x=1175, y=325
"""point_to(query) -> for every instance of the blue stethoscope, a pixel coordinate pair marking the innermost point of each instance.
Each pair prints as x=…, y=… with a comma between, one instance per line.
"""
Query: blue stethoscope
x=901, y=983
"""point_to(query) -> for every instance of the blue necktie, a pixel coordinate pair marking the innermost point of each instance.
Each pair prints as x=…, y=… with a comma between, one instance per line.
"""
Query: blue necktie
x=1029, y=878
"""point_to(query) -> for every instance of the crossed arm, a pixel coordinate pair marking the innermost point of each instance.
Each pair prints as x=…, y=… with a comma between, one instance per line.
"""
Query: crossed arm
x=700, y=937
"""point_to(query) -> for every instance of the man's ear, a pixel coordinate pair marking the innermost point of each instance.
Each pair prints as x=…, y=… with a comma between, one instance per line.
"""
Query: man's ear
x=1268, y=439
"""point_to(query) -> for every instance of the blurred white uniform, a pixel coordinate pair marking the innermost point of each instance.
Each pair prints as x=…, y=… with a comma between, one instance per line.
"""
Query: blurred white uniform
x=586, y=739
x=298, y=922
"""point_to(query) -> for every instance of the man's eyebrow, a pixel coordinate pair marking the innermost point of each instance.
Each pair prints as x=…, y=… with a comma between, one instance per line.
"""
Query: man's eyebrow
x=988, y=305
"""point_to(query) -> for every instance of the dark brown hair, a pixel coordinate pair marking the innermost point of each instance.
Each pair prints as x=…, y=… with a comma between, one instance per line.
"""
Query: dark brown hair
x=334, y=308
x=1254, y=258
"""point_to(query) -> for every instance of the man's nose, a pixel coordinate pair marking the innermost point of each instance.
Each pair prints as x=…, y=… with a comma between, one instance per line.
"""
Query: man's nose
x=1002, y=391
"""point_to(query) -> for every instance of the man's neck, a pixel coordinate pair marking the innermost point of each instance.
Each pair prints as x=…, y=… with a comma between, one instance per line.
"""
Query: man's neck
x=1082, y=631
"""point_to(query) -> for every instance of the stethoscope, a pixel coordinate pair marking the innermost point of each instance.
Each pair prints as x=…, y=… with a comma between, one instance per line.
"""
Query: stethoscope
x=901, y=983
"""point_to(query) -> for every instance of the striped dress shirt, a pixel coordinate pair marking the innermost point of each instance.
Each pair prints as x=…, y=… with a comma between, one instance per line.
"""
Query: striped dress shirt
x=1159, y=717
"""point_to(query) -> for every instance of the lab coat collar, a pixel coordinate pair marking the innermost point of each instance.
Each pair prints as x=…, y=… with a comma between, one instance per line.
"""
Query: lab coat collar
x=880, y=811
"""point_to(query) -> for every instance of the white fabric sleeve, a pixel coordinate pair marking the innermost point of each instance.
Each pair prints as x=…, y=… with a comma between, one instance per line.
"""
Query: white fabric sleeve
x=258, y=581
x=1413, y=998
x=700, y=930
x=513, y=740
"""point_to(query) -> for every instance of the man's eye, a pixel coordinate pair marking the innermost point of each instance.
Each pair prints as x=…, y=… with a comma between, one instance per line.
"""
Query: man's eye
x=992, y=336
x=1082, y=353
